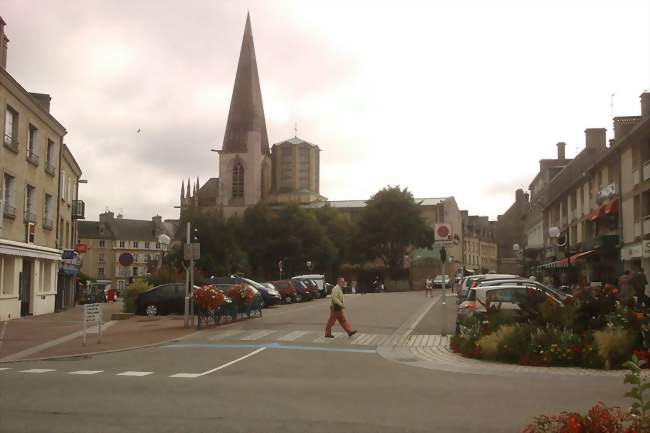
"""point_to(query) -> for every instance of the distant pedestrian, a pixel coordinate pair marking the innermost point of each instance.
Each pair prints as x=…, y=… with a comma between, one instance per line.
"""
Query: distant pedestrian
x=626, y=294
x=428, y=287
x=336, y=311
x=639, y=282
x=353, y=286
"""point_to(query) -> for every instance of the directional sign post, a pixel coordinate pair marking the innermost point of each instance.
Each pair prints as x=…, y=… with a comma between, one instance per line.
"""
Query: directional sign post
x=92, y=314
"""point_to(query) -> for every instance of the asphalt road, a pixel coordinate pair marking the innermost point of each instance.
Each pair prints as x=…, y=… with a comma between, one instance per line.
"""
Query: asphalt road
x=276, y=374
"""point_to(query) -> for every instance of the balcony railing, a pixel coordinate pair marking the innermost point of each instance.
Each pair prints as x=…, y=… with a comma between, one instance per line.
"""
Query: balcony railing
x=11, y=143
x=636, y=177
x=30, y=216
x=638, y=230
x=33, y=158
x=47, y=223
x=50, y=168
x=78, y=209
x=9, y=211
x=646, y=170
x=646, y=225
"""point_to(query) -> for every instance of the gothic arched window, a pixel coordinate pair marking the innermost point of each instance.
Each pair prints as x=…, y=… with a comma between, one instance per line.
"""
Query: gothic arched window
x=238, y=180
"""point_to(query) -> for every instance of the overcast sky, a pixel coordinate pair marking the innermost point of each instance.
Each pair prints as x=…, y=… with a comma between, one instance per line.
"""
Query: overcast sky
x=443, y=100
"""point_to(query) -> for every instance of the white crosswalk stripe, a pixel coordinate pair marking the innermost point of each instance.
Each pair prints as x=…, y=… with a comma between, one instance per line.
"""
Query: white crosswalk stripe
x=293, y=335
x=323, y=339
x=357, y=338
x=135, y=373
x=38, y=370
x=4, y=368
x=86, y=372
x=257, y=335
x=222, y=335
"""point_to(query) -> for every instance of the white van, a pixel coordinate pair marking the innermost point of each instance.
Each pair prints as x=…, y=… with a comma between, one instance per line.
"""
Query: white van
x=316, y=278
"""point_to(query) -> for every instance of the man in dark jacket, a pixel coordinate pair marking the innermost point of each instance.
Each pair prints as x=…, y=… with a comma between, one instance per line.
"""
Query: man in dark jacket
x=639, y=282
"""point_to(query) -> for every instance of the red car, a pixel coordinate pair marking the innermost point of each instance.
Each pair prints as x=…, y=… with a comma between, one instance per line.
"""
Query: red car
x=286, y=290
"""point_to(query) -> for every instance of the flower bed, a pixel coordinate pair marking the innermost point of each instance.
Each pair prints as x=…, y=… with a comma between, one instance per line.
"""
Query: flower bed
x=592, y=330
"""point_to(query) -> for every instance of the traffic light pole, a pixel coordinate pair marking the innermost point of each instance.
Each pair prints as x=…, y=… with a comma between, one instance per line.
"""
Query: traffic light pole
x=443, y=259
x=186, y=316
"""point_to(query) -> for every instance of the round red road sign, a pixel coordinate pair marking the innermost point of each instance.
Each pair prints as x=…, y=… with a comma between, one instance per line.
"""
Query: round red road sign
x=443, y=231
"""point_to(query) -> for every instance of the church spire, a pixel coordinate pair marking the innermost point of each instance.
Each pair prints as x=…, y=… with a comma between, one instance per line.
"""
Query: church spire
x=188, y=187
x=182, y=191
x=246, y=109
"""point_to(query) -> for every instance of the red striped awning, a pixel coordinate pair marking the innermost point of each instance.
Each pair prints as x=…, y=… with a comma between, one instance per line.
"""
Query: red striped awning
x=564, y=263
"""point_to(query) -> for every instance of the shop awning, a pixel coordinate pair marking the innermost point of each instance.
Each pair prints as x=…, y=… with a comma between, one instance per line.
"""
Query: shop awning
x=564, y=263
x=609, y=208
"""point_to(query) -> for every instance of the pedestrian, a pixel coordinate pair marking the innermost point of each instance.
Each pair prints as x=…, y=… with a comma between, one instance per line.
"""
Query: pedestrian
x=336, y=311
x=639, y=282
x=428, y=287
x=626, y=294
x=353, y=286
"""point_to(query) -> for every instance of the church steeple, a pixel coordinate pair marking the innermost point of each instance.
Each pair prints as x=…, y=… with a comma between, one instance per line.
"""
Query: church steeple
x=182, y=192
x=246, y=113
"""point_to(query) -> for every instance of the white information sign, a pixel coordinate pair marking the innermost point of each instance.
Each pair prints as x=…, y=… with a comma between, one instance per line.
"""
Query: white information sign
x=92, y=314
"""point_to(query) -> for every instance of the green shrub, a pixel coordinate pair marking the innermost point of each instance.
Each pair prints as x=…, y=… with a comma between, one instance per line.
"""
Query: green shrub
x=614, y=345
x=516, y=344
x=497, y=319
x=134, y=290
x=552, y=313
x=489, y=344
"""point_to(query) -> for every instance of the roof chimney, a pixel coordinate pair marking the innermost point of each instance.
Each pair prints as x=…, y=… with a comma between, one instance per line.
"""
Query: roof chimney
x=3, y=44
x=560, y=150
x=623, y=125
x=645, y=104
x=43, y=99
x=595, y=138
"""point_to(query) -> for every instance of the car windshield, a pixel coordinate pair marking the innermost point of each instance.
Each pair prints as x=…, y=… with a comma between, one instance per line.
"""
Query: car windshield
x=254, y=283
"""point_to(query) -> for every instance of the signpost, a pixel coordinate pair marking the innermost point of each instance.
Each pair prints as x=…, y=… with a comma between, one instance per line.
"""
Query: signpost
x=93, y=313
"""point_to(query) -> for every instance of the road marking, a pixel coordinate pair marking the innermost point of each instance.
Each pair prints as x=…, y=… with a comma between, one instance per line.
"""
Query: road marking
x=267, y=346
x=86, y=372
x=5, y=368
x=257, y=335
x=293, y=335
x=370, y=341
x=38, y=370
x=221, y=367
x=135, y=373
x=225, y=334
x=357, y=338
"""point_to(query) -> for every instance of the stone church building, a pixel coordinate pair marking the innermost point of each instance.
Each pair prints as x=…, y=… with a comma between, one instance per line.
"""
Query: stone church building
x=249, y=171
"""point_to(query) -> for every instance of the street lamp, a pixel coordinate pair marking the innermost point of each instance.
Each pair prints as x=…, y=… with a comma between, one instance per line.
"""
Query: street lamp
x=164, y=242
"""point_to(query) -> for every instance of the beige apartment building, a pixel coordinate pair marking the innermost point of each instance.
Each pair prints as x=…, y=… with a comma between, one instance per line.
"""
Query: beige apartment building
x=633, y=145
x=120, y=249
x=30, y=160
x=479, y=243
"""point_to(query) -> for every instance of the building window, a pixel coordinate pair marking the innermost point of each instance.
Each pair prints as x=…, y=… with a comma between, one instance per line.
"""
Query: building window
x=100, y=272
x=146, y=245
x=102, y=244
x=11, y=126
x=30, y=203
x=68, y=241
x=303, y=178
x=6, y=275
x=32, y=144
x=135, y=244
x=45, y=269
x=147, y=258
x=101, y=259
x=9, y=195
x=286, y=170
x=71, y=188
x=121, y=244
x=157, y=245
x=48, y=212
x=62, y=188
x=238, y=180
x=135, y=271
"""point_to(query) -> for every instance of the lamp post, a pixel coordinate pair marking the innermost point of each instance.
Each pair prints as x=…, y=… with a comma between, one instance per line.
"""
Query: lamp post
x=164, y=242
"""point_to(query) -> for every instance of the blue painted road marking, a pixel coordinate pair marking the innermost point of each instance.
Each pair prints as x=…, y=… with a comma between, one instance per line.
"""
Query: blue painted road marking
x=267, y=346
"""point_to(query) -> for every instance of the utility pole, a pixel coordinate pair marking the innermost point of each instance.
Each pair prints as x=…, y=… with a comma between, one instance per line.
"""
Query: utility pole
x=186, y=315
x=443, y=259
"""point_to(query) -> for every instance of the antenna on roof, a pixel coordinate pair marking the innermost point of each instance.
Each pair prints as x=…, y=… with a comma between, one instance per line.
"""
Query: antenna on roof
x=611, y=104
x=295, y=130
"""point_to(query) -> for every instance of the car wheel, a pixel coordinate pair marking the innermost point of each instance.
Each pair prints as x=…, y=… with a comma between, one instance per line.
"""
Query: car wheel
x=298, y=298
x=263, y=303
x=151, y=310
x=287, y=300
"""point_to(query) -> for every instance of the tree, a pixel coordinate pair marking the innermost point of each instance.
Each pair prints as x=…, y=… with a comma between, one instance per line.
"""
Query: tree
x=390, y=223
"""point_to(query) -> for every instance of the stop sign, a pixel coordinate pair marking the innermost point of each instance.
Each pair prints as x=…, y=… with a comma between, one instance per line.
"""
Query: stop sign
x=443, y=231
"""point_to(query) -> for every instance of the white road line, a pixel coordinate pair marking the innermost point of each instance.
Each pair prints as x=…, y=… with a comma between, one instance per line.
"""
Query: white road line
x=418, y=340
x=293, y=335
x=430, y=339
x=225, y=334
x=411, y=340
x=370, y=340
x=38, y=370
x=221, y=367
x=5, y=368
x=357, y=338
x=86, y=372
x=135, y=373
x=383, y=339
x=436, y=341
x=257, y=335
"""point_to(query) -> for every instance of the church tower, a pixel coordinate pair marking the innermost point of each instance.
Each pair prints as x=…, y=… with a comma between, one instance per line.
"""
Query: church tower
x=245, y=159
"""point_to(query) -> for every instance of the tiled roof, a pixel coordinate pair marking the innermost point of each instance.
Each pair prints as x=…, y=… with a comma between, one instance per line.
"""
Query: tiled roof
x=574, y=171
x=125, y=229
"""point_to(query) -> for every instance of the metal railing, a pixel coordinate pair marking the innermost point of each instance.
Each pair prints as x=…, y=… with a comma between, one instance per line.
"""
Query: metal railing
x=646, y=170
x=11, y=143
x=9, y=211
x=30, y=216
x=78, y=209
x=47, y=223
x=50, y=168
x=33, y=158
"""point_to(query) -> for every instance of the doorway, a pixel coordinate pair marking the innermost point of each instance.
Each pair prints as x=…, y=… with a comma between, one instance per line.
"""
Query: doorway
x=25, y=287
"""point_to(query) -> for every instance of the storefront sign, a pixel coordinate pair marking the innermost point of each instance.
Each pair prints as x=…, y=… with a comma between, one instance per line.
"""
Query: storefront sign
x=31, y=229
x=82, y=248
x=634, y=251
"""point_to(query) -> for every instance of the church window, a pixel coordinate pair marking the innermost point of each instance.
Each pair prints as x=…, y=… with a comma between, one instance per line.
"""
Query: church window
x=303, y=178
x=286, y=163
x=238, y=180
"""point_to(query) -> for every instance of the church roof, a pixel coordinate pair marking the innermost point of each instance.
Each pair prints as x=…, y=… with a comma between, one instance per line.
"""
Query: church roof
x=294, y=140
x=209, y=192
x=246, y=109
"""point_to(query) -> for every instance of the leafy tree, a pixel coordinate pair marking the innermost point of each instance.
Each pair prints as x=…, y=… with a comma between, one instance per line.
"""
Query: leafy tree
x=390, y=223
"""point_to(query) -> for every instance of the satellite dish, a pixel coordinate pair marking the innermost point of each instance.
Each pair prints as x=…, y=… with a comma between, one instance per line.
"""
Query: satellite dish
x=515, y=248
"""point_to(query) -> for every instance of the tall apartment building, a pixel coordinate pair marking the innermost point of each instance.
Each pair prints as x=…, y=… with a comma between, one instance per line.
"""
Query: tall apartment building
x=34, y=214
x=511, y=230
x=479, y=243
x=120, y=249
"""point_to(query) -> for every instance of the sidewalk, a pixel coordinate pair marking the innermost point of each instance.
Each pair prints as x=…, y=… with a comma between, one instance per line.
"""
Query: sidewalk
x=59, y=334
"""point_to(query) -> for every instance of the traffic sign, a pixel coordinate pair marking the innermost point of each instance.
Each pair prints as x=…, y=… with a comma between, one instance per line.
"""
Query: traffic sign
x=443, y=233
x=192, y=251
x=92, y=312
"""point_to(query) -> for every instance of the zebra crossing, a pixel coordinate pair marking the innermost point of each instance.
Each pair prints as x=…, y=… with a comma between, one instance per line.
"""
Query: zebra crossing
x=317, y=337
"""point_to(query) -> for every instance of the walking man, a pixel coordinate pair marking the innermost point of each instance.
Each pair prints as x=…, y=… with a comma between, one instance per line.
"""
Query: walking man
x=639, y=282
x=336, y=311
x=428, y=287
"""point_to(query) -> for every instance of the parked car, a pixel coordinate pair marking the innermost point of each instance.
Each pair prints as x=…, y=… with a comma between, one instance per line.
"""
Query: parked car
x=440, y=279
x=320, y=282
x=92, y=295
x=301, y=293
x=507, y=297
x=270, y=296
x=562, y=296
x=310, y=285
x=286, y=290
x=163, y=299
x=475, y=280
x=329, y=287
